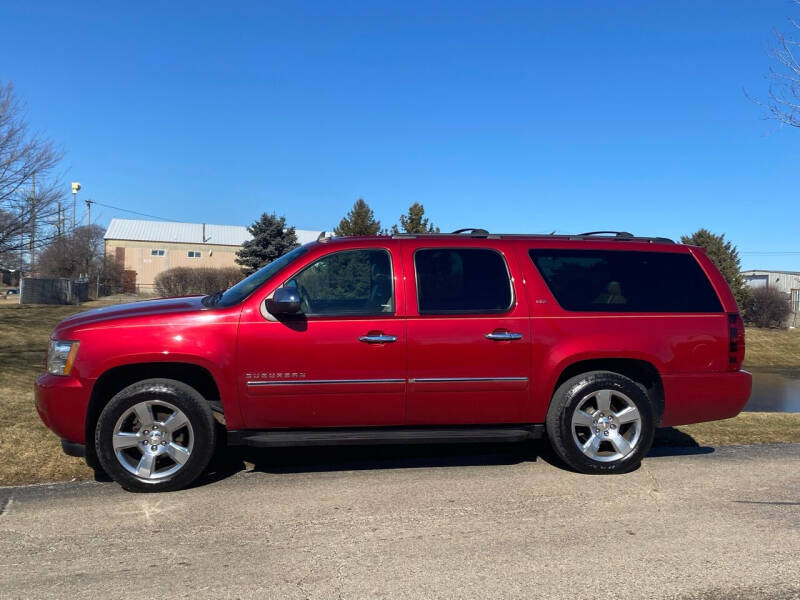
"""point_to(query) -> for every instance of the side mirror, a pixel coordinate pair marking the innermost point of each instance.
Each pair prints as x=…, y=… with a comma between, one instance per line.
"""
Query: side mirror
x=285, y=301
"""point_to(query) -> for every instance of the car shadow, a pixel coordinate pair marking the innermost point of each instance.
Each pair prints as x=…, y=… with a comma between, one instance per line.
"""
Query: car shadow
x=674, y=442
x=230, y=460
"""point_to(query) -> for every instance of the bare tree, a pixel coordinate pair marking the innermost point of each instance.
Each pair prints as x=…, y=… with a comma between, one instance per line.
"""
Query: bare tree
x=28, y=194
x=80, y=254
x=783, y=96
x=76, y=254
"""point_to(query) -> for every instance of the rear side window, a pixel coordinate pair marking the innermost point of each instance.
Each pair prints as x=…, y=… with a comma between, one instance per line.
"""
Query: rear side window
x=461, y=280
x=625, y=281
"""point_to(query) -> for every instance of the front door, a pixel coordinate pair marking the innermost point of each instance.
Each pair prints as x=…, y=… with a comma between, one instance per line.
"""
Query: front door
x=340, y=363
x=468, y=338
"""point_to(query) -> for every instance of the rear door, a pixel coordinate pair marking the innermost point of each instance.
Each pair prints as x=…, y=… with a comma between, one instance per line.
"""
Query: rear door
x=468, y=335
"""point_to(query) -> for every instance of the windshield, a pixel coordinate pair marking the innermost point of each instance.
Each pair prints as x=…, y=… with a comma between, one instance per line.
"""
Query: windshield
x=246, y=286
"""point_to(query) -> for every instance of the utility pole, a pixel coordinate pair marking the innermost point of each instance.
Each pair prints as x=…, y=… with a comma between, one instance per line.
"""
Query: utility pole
x=75, y=189
x=21, y=244
x=88, y=238
x=32, y=201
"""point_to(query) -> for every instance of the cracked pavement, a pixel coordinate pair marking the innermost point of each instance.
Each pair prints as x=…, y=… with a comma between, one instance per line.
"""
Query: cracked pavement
x=424, y=522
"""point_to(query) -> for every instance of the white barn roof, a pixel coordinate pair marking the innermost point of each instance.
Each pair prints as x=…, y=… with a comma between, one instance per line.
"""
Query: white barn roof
x=187, y=233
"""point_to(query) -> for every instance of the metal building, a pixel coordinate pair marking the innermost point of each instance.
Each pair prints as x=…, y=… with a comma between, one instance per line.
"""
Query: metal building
x=785, y=281
x=150, y=247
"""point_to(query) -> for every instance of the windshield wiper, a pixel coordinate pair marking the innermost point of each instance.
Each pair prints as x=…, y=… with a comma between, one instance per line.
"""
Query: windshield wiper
x=212, y=299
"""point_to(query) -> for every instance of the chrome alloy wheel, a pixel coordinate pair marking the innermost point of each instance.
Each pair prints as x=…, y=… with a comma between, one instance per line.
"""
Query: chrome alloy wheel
x=152, y=440
x=606, y=425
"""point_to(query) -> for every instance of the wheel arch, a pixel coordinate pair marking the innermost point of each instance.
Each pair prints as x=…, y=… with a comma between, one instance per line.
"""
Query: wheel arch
x=641, y=371
x=115, y=379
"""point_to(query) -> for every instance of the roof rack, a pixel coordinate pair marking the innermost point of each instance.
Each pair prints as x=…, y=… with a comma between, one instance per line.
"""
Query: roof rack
x=473, y=231
x=621, y=236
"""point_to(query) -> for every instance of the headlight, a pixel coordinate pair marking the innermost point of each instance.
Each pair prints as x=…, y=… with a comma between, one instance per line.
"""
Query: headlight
x=61, y=357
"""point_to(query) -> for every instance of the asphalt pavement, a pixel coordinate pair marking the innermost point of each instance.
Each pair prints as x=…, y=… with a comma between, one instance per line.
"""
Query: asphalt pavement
x=419, y=522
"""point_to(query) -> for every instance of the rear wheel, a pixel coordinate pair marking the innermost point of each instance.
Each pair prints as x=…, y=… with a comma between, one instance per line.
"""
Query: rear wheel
x=601, y=422
x=156, y=435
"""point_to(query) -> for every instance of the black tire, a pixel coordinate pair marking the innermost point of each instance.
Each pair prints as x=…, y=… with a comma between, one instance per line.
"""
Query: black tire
x=199, y=434
x=584, y=391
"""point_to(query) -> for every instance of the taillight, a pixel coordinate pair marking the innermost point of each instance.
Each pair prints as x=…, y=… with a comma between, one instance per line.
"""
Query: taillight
x=735, y=342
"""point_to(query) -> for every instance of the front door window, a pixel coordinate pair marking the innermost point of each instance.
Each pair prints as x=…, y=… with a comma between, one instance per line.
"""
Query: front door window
x=348, y=283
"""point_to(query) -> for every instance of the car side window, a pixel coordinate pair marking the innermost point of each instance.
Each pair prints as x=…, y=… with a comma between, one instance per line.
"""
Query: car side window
x=461, y=281
x=347, y=283
x=626, y=281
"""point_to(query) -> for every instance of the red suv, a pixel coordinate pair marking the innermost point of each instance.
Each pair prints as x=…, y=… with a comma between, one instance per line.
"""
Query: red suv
x=467, y=337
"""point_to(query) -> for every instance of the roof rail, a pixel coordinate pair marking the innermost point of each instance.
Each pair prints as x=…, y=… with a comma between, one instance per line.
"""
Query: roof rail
x=473, y=231
x=619, y=234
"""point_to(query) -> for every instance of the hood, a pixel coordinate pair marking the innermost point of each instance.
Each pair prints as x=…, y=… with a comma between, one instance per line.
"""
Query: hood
x=143, y=308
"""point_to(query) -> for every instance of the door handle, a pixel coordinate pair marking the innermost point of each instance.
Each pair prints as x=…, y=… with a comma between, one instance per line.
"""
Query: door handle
x=503, y=336
x=377, y=338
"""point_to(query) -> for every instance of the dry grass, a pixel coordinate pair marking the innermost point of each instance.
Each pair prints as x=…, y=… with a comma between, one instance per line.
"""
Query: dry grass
x=773, y=350
x=747, y=428
x=31, y=453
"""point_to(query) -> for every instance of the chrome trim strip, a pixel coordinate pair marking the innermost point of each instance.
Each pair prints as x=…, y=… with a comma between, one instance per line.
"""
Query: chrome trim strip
x=323, y=381
x=454, y=379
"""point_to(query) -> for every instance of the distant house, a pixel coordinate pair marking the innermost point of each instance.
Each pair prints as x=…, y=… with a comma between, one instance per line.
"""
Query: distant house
x=785, y=281
x=150, y=247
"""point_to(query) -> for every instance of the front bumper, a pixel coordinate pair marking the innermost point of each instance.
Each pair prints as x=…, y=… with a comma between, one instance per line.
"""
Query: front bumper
x=704, y=397
x=62, y=403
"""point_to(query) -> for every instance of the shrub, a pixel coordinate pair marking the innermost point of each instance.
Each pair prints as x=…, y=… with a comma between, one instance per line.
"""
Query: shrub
x=185, y=281
x=767, y=307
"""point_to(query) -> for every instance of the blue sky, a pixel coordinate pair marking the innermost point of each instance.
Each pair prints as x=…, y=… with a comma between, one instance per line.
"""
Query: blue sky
x=513, y=116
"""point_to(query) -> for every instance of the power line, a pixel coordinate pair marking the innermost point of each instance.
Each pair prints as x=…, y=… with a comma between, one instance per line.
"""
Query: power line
x=133, y=212
x=776, y=253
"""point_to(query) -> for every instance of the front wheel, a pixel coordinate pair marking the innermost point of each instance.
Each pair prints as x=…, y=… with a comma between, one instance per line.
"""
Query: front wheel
x=601, y=422
x=155, y=435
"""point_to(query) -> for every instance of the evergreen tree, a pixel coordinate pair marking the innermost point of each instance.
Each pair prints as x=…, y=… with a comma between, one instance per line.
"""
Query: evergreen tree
x=359, y=221
x=726, y=257
x=271, y=239
x=415, y=221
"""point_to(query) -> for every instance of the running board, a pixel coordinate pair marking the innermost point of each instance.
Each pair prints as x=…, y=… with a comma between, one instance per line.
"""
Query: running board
x=368, y=436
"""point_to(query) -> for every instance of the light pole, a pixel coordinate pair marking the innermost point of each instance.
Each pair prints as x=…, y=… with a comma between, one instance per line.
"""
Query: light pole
x=75, y=188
